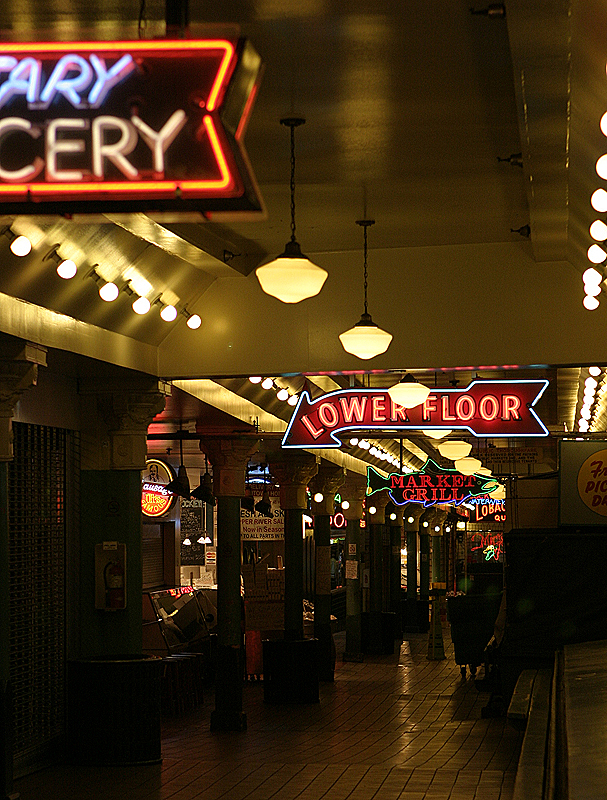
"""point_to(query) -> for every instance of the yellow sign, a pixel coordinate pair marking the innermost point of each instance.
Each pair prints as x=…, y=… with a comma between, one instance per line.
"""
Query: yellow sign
x=592, y=482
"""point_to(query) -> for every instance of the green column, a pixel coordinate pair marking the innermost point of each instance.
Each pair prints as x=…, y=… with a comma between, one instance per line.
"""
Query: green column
x=6, y=730
x=229, y=457
x=424, y=564
x=354, y=495
x=376, y=544
x=395, y=528
x=294, y=584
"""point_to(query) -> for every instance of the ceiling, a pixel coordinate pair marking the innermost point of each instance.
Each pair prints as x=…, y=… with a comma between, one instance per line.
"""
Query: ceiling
x=454, y=130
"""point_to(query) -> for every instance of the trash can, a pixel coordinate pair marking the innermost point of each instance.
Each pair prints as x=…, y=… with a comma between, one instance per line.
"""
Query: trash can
x=114, y=710
x=290, y=671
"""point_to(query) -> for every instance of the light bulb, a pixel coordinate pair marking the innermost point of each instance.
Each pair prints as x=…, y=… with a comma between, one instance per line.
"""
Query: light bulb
x=592, y=289
x=194, y=322
x=109, y=292
x=436, y=433
x=168, y=313
x=67, y=269
x=599, y=201
x=319, y=497
x=601, y=167
x=436, y=528
x=590, y=303
x=187, y=542
x=410, y=520
x=282, y=394
x=594, y=371
x=354, y=441
x=255, y=379
x=21, y=246
x=345, y=505
x=141, y=306
x=425, y=524
x=592, y=276
x=590, y=383
x=292, y=401
x=598, y=230
x=596, y=254
x=372, y=510
x=267, y=383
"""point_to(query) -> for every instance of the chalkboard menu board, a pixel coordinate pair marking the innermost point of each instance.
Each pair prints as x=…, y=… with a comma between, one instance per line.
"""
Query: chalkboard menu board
x=192, y=528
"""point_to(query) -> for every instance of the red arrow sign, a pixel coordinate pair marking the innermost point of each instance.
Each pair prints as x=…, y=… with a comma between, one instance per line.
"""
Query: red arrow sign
x=484, y=408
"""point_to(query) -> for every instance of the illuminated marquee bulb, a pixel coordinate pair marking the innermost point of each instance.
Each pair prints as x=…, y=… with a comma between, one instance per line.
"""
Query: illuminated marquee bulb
x=592, y=277
x=194, y=322
x=596, y=254
x=21, y=246
x=292, y=401
x=255, y=379
x=601, y=167
x=590, y=383
x=599, y=201
x=319, y=497
x=372, y=510
x=169, y=313
x=267, y=383
x=109, y=292
x=282, y=394
x=410, y=520
x=345, y=505
x=67, y=269
x=354, y=441
x=141, y=306
x=594, y=371
x=590, y=303
x=598, y=230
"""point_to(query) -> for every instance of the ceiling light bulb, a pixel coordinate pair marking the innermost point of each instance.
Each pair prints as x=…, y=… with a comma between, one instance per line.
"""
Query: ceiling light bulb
x=21, y=246
x=66, y=269
x=345, y=504
x=594, y=371
x=601, y=167
x=436, y=528
x=592, y=276
x=319, y=497
x=583, y=425
x=282, y=394
x=255, y=379
x=592, y=289
x=598, y=230
x=585, y=413
x=109, y=292
x=169, y=313
x=596, y=254
x=354, y=441
x=590, y=303
x=590, y=383
x=292, y=401
x=291, y=277
x=372, y=510
x=393, y=516
x=141, y=306
x=187, y=542
x=410, y=520
x=425, y=524
x=599, y=201
x=267, y=383
x=194, y=322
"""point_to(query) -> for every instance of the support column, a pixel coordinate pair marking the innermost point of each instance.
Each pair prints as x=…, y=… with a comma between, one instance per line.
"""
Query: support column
x=291, y=665
x=355, y=495
x=412, y=514
x=376, y=523
x=327, y=481
x=229, y=457
x=16, y=376
x=438, y=554
x=424, y=554
x=113, y=454
x=395, y=524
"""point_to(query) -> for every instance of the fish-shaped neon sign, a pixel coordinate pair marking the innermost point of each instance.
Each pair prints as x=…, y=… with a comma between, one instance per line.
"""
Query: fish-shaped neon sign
x=430, y=486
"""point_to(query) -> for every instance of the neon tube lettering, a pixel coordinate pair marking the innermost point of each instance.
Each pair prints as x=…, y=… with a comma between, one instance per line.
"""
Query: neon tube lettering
x=353, y=408
x=69, y=86
x=328, y=415
x=55, y=146
x=446, y=414
x=511, y=404
x=398, y=412
x=429, y=406
x=24, y=78
x=465, y=407
x=108, y=78
x=30, y=171
x=316, y=432
x=159, y=142
x=115, y=152
x=379, y=409
x=491, y=413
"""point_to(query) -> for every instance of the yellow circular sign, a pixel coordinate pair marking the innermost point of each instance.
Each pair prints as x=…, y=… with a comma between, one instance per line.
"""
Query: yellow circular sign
x=592, y=482
x=155, y=498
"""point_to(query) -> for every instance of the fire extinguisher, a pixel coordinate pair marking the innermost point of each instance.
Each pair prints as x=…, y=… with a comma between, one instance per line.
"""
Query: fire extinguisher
x=113, y=576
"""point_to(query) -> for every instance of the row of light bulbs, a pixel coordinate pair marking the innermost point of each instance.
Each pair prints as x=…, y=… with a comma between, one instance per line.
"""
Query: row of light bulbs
x=281, y=393
x=108, y=290
x=595, y=391
x=597, y=254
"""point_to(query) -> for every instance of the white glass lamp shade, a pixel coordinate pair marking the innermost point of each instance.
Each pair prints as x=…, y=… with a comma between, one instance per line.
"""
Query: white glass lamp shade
x=21, y=246
x=291, y=277
x=408, y=393
x=499, y=493
x=484, y=471
x=365, y=340
x=436, y=433
x=454, y=449
x=467, y=465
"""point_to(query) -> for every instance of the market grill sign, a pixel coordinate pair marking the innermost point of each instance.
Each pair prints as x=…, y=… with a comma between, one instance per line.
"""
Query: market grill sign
x=484, y=408
x=124, y=126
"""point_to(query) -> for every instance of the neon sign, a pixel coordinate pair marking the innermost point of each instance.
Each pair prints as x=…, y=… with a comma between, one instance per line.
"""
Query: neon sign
x=430, y=486
x=140, y=125
x=156, y=500
x=487, y=509
x=484, y=408
x=491, y=544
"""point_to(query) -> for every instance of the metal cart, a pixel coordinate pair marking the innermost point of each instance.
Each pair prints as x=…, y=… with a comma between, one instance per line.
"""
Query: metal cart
x=472, y=619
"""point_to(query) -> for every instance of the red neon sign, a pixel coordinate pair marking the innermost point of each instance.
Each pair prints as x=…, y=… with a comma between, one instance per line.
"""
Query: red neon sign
x=484, y=408
x=151, y=125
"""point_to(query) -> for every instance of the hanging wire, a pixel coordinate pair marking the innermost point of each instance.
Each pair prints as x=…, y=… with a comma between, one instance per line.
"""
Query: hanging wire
x=364, y=223
x=292, y=183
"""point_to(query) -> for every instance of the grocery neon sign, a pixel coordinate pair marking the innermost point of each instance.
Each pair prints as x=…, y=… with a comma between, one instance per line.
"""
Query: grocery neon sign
x=484, y=408
x=105, y=125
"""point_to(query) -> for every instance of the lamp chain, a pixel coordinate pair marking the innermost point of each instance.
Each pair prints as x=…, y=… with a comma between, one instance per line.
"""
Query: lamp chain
x=292, y=182
x=365, y=265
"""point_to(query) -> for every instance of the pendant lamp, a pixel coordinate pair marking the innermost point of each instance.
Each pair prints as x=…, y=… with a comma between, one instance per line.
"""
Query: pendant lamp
x=365, y=339
x=454, y=449
x=291, y=276
x=181, y=484
x=436, y=433
x=467, y=465
x=408, y=393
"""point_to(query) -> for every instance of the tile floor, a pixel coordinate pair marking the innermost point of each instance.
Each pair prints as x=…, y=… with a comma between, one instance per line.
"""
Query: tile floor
x=397, y=726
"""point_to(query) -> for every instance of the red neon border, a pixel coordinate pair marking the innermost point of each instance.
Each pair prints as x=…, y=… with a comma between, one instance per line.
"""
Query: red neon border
x=225, y=182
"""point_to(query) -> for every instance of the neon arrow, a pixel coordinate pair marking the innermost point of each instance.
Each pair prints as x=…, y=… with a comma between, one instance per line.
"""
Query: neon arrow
x=485, y=408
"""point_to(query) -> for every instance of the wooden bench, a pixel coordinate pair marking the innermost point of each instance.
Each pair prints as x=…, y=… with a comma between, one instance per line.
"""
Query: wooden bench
x=529, y=710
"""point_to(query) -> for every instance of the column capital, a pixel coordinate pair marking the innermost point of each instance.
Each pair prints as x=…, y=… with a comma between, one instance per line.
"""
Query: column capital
x=380, y=500
x=293, y=473
x=399, y=511
x=329, y=478
x=119, y=420
x=355, y=494
x=229, y=456
x=17, y=374
x=412, y=510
